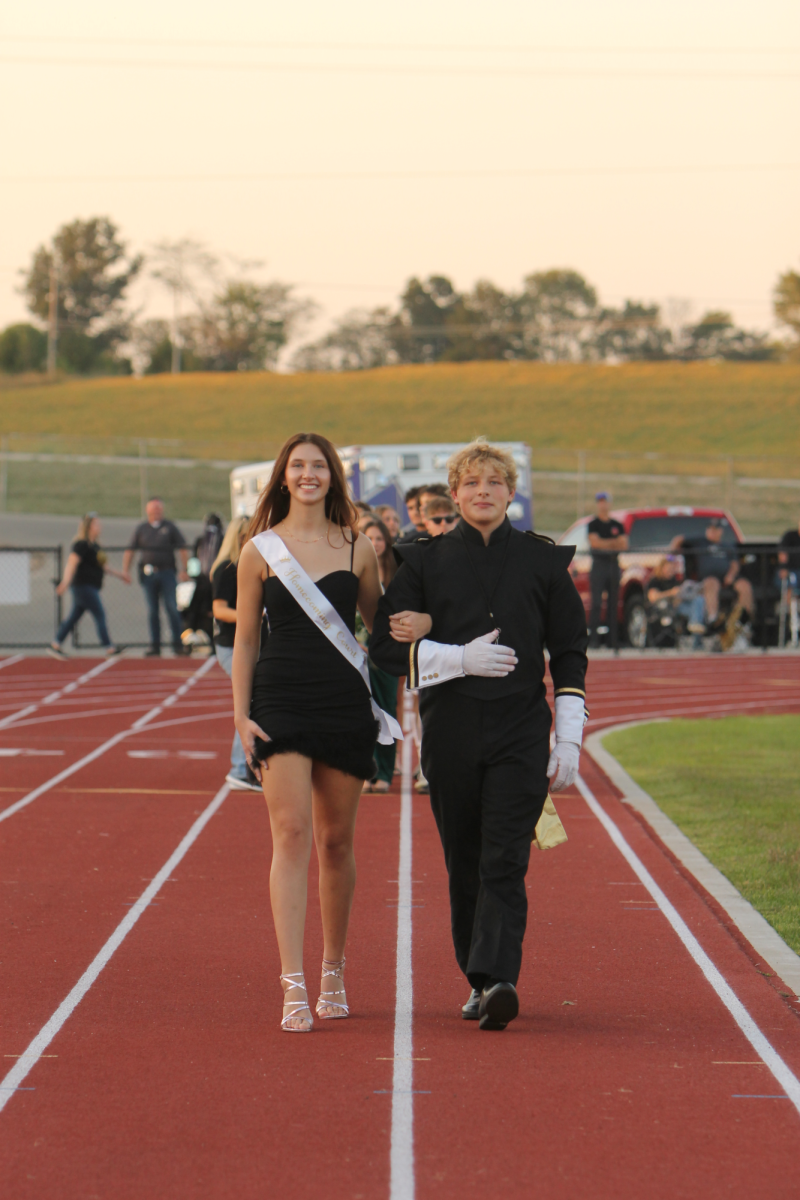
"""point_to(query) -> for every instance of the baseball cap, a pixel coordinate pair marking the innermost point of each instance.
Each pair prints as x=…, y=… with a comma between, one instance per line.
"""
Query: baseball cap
x=602, y=496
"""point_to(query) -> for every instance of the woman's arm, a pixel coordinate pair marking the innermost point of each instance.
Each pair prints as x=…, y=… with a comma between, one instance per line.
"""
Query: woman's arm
x=223, y=611
x=69, y=572
x=118, y=574
x=370, y=591
x=249, y=615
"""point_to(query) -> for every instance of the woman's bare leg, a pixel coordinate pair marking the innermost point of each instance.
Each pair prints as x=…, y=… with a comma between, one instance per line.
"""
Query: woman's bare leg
x=287, y=789
x=335, y=806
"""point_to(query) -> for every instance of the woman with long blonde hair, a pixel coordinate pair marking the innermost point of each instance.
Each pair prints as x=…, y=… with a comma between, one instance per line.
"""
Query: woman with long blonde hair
x=302, y=708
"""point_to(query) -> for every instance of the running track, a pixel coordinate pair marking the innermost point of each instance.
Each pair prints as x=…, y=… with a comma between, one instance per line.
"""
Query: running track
x=625, y=1076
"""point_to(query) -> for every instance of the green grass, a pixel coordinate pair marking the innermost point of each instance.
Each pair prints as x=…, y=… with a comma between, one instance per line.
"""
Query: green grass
x=699, y=408
x=692, y=414
x=733, y=787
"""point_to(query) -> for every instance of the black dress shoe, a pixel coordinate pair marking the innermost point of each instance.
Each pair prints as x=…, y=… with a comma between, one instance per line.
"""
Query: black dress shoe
x=470, y=1010
x=499, y=1004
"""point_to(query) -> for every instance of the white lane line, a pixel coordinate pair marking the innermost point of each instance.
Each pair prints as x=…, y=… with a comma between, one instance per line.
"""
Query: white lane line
x=401, y=1177
x=763, y=1048
x=64, y=691
x=108, y=745
x=67, y=1006
x=9, y=662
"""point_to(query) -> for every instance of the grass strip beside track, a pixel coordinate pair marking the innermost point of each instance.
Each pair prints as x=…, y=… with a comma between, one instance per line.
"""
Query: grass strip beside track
x=732, y=785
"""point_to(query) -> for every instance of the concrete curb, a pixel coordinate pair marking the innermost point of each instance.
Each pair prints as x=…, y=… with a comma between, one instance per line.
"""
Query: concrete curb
x=759, y=933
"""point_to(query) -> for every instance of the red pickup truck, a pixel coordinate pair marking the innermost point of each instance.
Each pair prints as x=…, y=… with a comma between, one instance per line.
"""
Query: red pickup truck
x=650, y=533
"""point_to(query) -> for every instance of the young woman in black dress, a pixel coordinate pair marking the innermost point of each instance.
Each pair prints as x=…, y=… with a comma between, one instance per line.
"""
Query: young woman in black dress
x=303, y=711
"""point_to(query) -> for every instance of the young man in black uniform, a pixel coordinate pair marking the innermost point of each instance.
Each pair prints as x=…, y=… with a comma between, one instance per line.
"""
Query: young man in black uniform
x=485, y=717
x=606, y=538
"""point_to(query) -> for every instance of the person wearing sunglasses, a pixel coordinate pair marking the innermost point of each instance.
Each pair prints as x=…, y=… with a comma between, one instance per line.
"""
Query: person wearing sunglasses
x=440, y=516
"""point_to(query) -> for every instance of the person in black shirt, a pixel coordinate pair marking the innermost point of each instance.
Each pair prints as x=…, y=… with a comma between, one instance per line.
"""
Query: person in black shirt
x=84, y=572
x=716, y=566
x=224, y=592
x=788, y=581
x=606, y=538
x=789, y=558
x=157, y=540
x=485, y=717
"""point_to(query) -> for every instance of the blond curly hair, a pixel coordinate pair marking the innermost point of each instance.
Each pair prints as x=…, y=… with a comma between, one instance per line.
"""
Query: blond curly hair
x=477, y=454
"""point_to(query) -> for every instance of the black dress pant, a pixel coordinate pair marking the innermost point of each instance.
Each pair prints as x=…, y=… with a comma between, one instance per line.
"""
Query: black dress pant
x=604, y=577
x=486, y=761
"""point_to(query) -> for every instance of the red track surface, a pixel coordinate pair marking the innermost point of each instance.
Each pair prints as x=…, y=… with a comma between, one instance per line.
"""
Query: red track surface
x=171, y=1077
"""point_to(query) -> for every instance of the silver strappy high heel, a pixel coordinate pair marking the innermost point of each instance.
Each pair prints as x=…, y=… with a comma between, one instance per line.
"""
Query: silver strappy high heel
x=334, y=970
x=296, y=1006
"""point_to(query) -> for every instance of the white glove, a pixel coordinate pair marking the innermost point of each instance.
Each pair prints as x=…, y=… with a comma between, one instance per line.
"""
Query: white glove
x=562, y=768
x=481, y=657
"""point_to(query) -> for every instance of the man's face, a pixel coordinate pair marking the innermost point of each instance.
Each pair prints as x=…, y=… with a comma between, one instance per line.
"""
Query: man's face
x=422, y=500
x=714, y=533
x=483, y=495
x=412, y=507
x=603, y=509
x=154, y=510
x=439, y=523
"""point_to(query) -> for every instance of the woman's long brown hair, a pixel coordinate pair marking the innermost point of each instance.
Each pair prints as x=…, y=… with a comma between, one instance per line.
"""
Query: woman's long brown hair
x=273, y=505
x=386, y=561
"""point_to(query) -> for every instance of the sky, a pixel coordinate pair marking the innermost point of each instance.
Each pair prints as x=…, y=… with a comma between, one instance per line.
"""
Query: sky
x=653, y=148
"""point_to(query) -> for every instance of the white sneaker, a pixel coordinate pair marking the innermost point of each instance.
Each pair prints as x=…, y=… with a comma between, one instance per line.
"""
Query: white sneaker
x=237, y=784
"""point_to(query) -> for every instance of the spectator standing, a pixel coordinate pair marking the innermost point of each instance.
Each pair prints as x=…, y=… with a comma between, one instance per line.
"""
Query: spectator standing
x=384, y=685
x=607, y=538
x=789, y=559
x=85, y=569
x=789, y=580
x=197, y=614
x=390, y=518
x=156, y=541
x=411, y=501
x=440, y=516
x=224, y=593
x=717, y=566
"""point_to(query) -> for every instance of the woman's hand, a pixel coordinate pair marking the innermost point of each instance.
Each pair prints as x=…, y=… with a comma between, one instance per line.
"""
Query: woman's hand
x=62, y=587
x=410, y=626
x=248, y=731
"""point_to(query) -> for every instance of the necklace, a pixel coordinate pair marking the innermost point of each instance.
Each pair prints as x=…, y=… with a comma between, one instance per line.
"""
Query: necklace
x=307, y=541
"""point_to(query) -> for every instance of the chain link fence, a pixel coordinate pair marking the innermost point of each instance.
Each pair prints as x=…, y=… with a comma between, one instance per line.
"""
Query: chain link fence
x=114, y=476
x=31, y=611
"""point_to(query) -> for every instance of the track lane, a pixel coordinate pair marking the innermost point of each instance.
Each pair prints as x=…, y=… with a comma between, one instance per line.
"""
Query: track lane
x=179, y=1043
x=79, y=764
x=53, y=697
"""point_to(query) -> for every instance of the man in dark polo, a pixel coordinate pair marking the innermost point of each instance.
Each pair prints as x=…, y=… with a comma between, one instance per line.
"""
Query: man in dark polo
x=607, y=538
x=156, y=540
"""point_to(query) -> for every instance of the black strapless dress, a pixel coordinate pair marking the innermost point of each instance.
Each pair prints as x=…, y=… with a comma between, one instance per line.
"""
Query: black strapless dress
x=306, y=695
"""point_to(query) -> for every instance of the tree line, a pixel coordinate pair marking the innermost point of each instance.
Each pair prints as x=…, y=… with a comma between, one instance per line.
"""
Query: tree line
x=76, y=289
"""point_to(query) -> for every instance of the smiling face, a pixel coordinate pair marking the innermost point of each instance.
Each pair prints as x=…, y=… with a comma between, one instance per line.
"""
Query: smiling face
x=308, y=476
x=483, y=496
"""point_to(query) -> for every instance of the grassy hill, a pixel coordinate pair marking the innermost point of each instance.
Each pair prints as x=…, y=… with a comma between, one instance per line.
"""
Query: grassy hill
x=691, y=408
x=690, y=415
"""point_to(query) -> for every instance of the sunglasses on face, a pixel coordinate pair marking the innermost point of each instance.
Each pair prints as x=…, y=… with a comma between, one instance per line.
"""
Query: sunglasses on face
x=443, y=520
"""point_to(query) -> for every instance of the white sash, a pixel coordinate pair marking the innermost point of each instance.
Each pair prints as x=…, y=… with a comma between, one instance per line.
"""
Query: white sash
x=317, y=606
